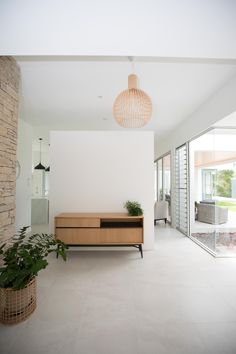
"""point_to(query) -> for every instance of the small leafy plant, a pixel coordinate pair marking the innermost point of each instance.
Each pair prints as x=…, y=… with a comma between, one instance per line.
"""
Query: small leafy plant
x=134, y=208
x=24, y=256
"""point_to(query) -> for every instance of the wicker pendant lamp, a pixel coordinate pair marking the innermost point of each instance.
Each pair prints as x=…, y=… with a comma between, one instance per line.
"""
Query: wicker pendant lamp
x=133, y=107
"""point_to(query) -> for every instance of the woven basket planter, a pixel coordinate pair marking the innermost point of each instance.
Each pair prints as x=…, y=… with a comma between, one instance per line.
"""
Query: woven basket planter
x=17, y=305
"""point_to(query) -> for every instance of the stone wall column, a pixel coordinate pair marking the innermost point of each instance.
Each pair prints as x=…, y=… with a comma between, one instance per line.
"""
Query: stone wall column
x=9, y=98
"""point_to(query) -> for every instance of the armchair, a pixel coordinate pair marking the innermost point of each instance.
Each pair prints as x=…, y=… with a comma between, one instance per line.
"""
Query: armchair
x=211, y=214
x=160, y=211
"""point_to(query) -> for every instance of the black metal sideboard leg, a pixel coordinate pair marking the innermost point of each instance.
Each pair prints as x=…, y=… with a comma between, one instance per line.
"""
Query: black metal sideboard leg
x=141, y=250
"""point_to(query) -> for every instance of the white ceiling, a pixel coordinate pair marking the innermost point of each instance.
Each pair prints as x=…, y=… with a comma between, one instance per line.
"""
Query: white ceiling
x=170, y=28
x=63, y=92
x=229, y=121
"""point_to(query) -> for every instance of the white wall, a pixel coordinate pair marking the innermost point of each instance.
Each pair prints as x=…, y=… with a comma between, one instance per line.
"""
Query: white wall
x=23, y=183
x=219, y=105
x=99, y=171
x=176, y=28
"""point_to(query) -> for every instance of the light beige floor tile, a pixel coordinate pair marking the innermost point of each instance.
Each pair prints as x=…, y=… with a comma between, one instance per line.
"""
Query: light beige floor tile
x=171, y=339
x=39, y=337
x=9, y=336
x=62, y=306
x=178, y=299
x=219, y=338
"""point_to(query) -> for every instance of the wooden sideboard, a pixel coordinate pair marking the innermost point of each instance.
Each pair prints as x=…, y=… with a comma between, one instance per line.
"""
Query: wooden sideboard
x=100, y=229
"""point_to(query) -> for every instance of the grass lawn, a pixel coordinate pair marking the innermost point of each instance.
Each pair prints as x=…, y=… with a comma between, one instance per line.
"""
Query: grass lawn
x=230, y=205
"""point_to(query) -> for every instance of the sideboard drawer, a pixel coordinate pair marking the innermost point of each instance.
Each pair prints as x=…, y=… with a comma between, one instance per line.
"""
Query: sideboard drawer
x=95, y=236
x=77, y=222
x=79, y=236
x=122, y=235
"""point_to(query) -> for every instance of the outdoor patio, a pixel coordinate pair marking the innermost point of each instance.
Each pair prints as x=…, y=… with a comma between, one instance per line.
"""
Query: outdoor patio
x=220, y=238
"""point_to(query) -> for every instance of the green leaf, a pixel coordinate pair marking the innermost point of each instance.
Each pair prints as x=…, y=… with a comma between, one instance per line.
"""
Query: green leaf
x=134, y=208
x=25, y=255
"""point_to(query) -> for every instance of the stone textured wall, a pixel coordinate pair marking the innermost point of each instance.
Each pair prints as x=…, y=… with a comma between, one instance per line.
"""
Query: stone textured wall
x=9, y=97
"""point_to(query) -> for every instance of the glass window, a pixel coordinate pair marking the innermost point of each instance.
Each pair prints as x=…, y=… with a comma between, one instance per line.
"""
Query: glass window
x=163, y=189
x=181, y=183
x=159, y=180
x=155, y=181
x=167, y=182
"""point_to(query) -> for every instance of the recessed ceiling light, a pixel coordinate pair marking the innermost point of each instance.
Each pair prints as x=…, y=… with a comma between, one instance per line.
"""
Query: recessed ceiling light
x=100, y=96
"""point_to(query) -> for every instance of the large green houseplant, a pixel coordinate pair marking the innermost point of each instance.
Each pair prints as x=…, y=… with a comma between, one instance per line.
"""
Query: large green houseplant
x=21, y=258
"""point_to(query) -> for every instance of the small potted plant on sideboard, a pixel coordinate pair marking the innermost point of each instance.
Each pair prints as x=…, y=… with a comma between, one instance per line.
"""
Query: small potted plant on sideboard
x=134, y=208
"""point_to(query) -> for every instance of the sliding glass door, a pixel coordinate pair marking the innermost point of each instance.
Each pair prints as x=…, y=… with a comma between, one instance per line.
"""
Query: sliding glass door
x=163, y=188
x=159, y=179
x=213, y=191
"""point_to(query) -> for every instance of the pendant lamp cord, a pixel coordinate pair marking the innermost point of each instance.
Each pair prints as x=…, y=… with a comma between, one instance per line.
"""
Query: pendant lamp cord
x=40, y=140
x=131, y=59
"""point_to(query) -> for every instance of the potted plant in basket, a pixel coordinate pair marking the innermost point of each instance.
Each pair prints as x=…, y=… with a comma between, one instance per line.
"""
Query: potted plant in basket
x=21, y=258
